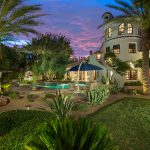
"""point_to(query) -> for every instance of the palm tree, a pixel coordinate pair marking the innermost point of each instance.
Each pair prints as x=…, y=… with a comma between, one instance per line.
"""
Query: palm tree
x=137, y=12
x=17, y=18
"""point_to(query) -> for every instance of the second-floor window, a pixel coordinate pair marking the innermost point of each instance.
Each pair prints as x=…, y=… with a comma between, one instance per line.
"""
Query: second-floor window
x=129, y=28
x=109, y=32
x=121, y=29
x=116, y=49
x=132, y=48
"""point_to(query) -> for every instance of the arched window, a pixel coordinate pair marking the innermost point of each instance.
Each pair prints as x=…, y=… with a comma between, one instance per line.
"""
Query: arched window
x=121, y=29
x=129, y=28
x=109, y=32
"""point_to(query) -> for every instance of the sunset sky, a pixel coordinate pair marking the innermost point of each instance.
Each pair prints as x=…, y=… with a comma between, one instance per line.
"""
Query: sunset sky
x=76, y=19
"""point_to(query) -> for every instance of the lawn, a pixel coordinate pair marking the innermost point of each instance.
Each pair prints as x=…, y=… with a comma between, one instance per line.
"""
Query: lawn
x=15, y=125
x=128, y=121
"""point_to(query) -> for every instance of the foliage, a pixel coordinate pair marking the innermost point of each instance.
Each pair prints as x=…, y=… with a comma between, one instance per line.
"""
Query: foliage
x=110, y=59
x=136, y=83
x=98, y=95
x=61, y=106
x=128, y=121
x=17, y=18
x=114, y=88
x=52, y=52
x=32, y=97
x=119, y=66
x=13, y=94
x=5, y=87
x=81, y=106
x=15, y=125
x=70, y=135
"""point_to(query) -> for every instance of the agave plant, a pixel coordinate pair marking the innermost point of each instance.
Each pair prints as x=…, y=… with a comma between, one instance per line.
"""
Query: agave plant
x=99, y=95
x=61, y=105
x=70, y=135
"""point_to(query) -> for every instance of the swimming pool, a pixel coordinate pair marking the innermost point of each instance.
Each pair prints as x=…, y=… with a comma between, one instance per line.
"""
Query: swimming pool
x=54, y=85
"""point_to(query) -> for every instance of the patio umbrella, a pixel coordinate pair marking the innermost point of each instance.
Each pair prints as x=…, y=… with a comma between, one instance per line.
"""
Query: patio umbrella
x=85, y=67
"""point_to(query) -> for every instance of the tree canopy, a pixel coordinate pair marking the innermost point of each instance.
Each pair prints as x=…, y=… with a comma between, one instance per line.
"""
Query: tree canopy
x=52, y=52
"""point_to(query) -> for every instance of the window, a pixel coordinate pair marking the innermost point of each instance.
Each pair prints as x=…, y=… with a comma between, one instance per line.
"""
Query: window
x=116, y=49
x=129, y=28
x=132, y=48
x=131, y=75
x=109, y=32
x=121, y=29
x=107, y=49
x=106, y=34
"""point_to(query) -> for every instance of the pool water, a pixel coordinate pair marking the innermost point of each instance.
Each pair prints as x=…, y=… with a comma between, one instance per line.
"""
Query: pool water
x=54, y=86
x=81, y=84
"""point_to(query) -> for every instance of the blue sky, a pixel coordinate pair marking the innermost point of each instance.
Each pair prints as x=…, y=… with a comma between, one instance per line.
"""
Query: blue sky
x=76, y=19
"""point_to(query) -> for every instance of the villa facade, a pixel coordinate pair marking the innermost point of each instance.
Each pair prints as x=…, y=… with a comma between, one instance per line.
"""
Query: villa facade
x=123, y=39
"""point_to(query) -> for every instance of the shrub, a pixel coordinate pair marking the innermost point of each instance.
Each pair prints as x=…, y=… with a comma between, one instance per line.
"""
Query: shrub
x=13, y=94
x=61, y=105
x=32, y=97
x=81, y=106
x=70, y=135
x=4, y=88
x=15, y=125
x=99, y=95
x=136, y=83
x=114, y=89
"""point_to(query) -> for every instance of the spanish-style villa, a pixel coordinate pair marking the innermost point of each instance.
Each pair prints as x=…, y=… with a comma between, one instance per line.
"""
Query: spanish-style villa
x=123, y=39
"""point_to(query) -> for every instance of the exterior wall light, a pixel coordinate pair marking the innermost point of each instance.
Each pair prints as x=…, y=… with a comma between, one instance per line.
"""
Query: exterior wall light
x=98, y=56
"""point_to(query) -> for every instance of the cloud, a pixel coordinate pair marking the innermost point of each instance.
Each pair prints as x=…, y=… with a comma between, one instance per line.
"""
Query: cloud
x=76, y=19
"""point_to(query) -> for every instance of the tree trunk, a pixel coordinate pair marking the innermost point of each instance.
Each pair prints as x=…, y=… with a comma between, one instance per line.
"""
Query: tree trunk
x=145, y=72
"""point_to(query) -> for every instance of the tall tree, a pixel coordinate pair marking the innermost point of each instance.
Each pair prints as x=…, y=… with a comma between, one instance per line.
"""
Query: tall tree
x=53, y=52
x=137, y=12
x=18, y=18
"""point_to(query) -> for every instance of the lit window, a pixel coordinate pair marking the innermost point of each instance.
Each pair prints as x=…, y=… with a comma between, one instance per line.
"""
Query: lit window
x=129, y=28
x=132, y=48
x=131, y=75
x=116, y=49
x=107, y=49
x=121, y=29
x=109, y=32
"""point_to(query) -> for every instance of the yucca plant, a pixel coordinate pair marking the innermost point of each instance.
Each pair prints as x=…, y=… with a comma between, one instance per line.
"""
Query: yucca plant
x=98, y=95
x=61, y=105
x=67, y=134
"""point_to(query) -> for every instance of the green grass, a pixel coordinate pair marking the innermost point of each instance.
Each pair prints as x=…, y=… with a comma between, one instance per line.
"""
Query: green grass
x=15, y=125
x=128, y=121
